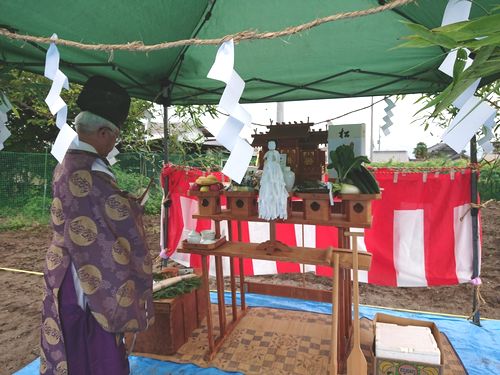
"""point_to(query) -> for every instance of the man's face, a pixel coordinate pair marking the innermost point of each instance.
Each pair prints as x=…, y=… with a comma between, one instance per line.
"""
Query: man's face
x=109, y=138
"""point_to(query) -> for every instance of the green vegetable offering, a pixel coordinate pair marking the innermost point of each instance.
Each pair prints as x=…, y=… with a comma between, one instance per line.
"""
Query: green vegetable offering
x=353, y=176
x=182, y=287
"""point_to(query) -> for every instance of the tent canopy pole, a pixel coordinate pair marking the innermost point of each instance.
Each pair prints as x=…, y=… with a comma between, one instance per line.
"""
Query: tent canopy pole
x=476, y=316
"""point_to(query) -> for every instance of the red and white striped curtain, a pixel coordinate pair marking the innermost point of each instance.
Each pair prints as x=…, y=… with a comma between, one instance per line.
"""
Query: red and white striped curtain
x=421, y=233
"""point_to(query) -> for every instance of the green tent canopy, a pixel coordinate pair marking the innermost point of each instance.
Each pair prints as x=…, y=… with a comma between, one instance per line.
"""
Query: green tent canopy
x=346, y=58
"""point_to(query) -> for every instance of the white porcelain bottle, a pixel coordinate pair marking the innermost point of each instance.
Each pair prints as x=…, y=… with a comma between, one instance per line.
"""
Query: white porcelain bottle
x=289, y=176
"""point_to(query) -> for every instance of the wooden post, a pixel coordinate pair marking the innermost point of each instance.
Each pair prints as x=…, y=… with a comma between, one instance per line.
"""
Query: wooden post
x=166, y=203
x=335, y=315
x=220, y=294
x=476, y=316
x=242, y=273
x=206, y=288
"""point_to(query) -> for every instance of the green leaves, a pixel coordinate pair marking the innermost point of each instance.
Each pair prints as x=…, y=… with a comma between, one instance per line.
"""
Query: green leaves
x=479, y=32
x=480, y=36
x=344, y=160
x=431, y=37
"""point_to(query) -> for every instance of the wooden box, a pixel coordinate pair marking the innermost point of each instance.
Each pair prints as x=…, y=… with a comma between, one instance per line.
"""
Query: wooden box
x=316, y=206
x=389, y=366
x=208, y=202
x=242, y=203
x=358, y=207
x=175, y=320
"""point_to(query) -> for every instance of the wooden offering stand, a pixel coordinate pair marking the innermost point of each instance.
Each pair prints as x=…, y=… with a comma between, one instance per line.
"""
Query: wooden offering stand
x=208, y=201
x=344, y=215
x=242, y=203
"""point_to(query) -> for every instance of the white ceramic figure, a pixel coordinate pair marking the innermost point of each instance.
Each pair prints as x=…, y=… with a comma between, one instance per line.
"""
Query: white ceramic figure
x=273, y=195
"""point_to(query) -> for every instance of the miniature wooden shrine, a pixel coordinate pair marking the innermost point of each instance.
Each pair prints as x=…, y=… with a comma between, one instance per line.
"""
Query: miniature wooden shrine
x=300, y=144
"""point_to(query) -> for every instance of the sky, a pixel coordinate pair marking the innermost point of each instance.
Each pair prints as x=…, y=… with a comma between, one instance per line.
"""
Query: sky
x=405, y=133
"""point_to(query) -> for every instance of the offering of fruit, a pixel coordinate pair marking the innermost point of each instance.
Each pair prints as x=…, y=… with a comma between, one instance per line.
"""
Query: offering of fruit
x=206, y=183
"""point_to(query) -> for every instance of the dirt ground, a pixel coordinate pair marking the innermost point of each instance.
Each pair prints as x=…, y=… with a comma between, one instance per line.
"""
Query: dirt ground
x=20, y=293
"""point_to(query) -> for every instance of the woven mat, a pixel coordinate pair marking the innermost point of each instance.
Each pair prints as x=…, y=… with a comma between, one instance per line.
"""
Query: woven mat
x=273, y=341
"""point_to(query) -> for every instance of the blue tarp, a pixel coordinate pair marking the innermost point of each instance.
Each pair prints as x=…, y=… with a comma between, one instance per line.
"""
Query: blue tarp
x=477, y=347
x=146, y=366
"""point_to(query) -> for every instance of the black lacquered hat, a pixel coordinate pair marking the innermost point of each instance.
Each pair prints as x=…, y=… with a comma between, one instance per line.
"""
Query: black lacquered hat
x=105, y=98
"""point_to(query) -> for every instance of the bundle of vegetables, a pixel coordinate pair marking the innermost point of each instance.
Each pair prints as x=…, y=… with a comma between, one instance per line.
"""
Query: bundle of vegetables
x=352, y=176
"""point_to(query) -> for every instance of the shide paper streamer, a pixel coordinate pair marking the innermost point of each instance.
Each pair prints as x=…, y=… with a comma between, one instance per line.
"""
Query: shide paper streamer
x=56, y=104
x=5, y=107
x=229, y=133
x=473, y=113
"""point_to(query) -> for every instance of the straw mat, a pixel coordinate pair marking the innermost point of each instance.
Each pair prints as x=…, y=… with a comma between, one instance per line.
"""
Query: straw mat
x=273, y=341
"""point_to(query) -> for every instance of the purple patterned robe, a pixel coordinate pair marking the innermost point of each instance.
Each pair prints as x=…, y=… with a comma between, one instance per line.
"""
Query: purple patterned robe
x=99, y=229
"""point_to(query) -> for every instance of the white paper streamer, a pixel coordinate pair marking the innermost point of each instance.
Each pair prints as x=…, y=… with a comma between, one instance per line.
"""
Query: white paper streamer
x=56, y=104
x=229, y=134
x=485, y=141
x=456, y=11
x=473, y=113
x=222, y=69
x=466, y=123
x=64, y=139
x=5, y=107
x=52, y=60
x=388, y=115
x=237, y=164
x=112, y=156
x=3, y=118
x=449, y=62
x=4, y=133
x=467, y=94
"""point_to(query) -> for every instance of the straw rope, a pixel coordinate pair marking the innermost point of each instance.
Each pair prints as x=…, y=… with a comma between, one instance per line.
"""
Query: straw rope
x=475, y=205
x=480, y=301
x=139, y=46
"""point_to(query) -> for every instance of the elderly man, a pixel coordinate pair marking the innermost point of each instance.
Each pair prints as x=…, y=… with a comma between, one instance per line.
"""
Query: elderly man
x=98, y=274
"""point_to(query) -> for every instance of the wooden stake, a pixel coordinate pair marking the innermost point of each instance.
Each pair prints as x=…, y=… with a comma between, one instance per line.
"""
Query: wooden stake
x=335, y=315
x=356, y=362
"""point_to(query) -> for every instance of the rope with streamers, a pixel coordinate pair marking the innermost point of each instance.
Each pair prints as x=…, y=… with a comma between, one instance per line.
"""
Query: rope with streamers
x=475, y=205
x=139, y=46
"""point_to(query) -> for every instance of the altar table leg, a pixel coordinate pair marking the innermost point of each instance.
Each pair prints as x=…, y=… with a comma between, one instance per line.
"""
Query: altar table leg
x=204, y=267
x=233, y=289
x=220, y=294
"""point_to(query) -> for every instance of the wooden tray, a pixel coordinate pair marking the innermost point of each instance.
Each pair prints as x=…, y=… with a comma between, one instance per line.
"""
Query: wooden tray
x=199, y=246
